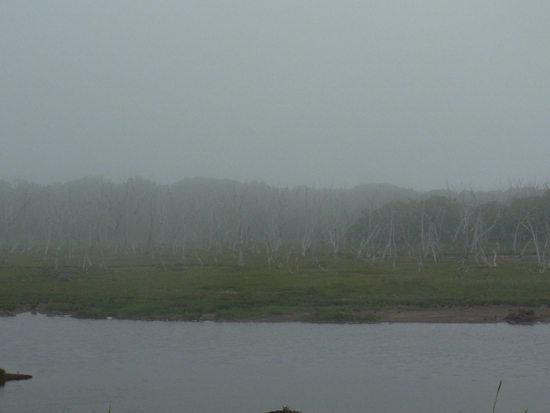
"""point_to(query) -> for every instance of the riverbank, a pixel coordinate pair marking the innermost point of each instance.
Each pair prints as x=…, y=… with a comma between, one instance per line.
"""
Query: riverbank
x=218, y=290
x=469, y=315
x=489, y=314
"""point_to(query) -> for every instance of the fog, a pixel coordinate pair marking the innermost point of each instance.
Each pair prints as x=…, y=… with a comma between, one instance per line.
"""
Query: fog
x=420, y=94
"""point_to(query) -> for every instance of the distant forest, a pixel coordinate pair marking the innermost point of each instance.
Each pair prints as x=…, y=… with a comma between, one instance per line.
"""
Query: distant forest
x=367, y=222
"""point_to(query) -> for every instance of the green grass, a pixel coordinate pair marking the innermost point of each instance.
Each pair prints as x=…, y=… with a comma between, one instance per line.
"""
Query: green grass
x=138, y=286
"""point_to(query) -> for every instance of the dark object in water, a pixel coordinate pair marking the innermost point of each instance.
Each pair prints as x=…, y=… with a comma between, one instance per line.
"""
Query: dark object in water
x=285, y=410
x=12, y=376
x=521, y=317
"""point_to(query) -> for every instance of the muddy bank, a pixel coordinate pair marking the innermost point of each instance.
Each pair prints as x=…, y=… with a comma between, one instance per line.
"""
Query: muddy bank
x=474, y=314
x=482, y=314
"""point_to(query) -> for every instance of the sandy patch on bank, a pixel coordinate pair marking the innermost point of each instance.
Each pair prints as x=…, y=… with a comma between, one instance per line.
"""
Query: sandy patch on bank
x=489, y=314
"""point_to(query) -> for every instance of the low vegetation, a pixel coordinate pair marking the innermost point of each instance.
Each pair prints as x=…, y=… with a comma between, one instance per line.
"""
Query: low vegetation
x=215, y=288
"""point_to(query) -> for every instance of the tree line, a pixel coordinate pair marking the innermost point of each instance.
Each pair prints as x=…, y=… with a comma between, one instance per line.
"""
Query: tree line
x=458, y=225
x=370, y=222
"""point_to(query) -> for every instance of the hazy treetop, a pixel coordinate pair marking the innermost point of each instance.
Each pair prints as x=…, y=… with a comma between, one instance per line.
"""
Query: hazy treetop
x=413, y=93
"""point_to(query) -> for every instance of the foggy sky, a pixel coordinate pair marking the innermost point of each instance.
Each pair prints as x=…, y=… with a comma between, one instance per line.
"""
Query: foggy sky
x=419, y=93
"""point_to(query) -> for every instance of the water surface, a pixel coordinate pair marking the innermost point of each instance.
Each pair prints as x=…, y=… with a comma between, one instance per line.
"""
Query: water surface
x=91, y=365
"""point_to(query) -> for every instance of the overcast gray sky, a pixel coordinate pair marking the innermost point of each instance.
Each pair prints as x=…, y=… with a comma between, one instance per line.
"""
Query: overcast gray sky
x=415, y=93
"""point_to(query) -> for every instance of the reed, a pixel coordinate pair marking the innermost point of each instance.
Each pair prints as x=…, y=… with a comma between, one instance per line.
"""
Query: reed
x=496, y=398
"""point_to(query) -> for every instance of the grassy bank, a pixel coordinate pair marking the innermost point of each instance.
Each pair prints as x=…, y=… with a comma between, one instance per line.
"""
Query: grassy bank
x=213, y=287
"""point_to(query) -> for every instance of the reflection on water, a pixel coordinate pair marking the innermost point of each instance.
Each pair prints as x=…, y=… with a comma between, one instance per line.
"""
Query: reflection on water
x=90, y=365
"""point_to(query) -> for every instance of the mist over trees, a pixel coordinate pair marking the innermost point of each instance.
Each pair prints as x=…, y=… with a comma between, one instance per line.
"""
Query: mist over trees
x=193, y=217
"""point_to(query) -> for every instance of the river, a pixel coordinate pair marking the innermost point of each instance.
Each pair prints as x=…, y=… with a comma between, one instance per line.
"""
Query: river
x=90, y=366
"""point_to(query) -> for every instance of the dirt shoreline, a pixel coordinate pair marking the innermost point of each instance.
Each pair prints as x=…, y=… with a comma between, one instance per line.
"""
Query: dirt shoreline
x=467, y=315
x=464, y=315
x=482, y=314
